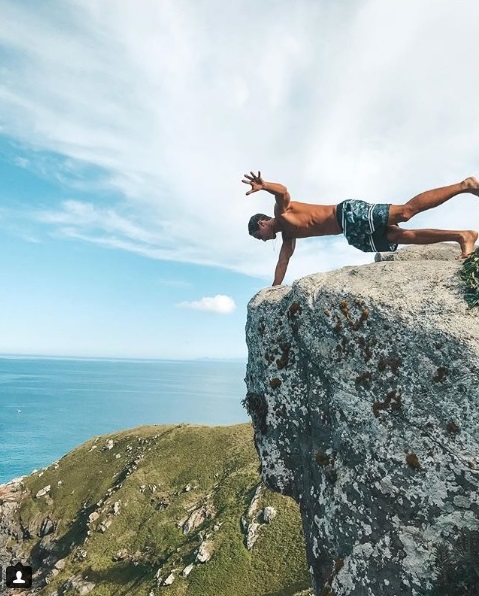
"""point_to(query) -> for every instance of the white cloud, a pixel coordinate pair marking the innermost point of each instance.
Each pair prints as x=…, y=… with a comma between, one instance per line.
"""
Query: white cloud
x=173, y=101
x=220, y=304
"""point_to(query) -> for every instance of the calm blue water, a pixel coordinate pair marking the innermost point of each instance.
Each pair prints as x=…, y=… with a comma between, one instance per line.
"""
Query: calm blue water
x=47, y=407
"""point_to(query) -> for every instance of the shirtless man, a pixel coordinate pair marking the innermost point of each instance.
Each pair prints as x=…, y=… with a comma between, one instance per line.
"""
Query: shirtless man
x=371, y=228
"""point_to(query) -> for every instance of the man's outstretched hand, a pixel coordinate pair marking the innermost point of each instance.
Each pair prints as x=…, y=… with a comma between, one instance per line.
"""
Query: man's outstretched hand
x=255, y=180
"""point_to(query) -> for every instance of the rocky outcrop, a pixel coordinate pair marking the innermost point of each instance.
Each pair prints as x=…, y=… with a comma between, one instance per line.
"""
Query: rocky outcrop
x=12, y=532
x=363, y=390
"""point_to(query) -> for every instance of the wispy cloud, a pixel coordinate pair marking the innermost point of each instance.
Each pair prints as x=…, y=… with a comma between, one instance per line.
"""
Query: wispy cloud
x=79, y=215
x=171, y=102
x=220, y=304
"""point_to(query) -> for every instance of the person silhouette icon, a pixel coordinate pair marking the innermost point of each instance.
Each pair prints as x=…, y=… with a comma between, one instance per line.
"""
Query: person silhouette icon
x=19, y=576
x=19, y=579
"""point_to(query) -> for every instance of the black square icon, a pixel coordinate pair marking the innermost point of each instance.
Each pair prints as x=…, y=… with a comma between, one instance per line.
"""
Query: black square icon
x=18, y=576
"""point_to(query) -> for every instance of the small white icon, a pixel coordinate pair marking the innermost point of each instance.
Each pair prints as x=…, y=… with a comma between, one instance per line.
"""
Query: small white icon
x=19, y=579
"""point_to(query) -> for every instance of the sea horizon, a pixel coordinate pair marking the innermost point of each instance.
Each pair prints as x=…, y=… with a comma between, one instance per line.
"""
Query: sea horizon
x=120, y=358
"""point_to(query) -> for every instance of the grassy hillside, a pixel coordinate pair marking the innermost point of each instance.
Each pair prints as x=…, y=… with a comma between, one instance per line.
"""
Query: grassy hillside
x=127, y=511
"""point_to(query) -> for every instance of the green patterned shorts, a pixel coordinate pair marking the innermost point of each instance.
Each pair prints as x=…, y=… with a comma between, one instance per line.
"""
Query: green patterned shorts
x=364, y=225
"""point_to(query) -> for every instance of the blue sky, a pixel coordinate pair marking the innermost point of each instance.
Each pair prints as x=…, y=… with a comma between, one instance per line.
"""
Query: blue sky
x=125, y=130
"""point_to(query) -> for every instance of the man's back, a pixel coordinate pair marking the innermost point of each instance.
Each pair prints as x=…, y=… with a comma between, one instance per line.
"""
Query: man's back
x=302, y=220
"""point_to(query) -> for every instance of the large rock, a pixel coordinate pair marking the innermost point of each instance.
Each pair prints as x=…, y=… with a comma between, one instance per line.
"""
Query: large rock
x=363, y=390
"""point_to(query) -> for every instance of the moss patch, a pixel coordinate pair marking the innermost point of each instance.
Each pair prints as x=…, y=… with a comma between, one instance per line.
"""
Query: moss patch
x=469, y=274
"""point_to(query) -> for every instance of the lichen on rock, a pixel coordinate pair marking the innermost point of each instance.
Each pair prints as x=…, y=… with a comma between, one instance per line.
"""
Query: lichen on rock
x=373, y=429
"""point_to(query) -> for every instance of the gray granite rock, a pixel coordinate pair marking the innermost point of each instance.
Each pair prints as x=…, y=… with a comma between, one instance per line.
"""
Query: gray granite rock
x=363, y=389
x=78, y=586
x=442, y=251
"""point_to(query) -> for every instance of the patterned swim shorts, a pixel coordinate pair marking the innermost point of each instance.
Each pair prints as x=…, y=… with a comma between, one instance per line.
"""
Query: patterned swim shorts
x=364, y=225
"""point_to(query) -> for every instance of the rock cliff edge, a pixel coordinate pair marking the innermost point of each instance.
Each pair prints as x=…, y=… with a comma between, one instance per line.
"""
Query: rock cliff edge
x=363, y=389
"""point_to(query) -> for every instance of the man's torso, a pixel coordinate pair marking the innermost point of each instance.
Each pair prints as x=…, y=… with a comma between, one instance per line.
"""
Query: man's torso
x=302, y=220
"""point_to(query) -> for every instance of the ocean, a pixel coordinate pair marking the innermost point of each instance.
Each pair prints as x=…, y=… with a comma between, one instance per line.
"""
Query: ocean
x=49, y=406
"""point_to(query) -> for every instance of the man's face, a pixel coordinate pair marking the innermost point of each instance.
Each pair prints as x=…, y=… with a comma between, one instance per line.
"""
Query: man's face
x=265, y=231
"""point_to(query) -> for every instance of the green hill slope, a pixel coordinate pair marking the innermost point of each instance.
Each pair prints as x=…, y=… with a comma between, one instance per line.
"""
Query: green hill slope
x=128, y=512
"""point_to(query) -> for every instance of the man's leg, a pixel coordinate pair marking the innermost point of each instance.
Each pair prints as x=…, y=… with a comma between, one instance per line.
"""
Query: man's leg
x=465, y=238
x=429, y=199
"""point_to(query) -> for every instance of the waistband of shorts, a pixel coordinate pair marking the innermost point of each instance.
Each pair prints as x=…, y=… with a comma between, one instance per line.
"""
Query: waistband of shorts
x=339, y=215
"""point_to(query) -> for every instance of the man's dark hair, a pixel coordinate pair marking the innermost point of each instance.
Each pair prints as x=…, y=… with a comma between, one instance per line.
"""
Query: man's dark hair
x=253, y=225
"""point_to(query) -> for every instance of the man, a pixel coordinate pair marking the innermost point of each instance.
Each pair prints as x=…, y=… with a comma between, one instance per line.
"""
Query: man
x=368, y=227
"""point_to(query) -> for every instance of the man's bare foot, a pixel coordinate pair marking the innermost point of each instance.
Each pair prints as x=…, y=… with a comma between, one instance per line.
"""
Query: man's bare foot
x=467, y=242
x=471, y=185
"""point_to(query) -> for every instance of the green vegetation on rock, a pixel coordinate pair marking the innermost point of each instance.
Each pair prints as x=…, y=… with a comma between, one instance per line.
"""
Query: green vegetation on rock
x=125, y=513
x=470, y=276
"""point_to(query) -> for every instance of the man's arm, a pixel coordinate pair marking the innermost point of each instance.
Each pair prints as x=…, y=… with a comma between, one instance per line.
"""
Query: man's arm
x=285, y=254
x=279, y=191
